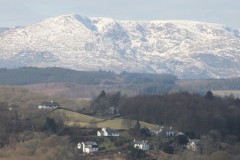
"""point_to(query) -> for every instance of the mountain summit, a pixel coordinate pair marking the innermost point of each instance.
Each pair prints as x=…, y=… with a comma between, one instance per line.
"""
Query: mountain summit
x=187, y=49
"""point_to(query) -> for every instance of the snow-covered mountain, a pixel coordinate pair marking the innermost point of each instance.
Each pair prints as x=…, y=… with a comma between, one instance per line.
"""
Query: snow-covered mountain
x=188, y=49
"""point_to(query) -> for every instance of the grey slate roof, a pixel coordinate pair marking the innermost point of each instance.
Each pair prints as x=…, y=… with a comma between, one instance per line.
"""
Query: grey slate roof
x=50, y=104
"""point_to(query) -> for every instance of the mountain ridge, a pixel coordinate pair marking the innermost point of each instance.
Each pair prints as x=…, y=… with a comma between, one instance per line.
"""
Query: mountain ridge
x=187, y=49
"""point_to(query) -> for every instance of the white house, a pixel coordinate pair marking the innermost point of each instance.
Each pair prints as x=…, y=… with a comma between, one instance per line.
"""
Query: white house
x=114, y=110
x=169, y=132
x=48, y=105
x=143, y=145
x=194, y=145
x=88, y=147
x=108, y=132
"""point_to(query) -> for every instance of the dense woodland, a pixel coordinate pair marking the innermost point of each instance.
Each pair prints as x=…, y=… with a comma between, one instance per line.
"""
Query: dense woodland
x=187, y=112
x=184, y=111
x=32, y=75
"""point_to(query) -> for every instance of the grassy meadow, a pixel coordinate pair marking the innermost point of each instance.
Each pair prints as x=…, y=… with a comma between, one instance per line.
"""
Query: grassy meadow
x=81, y=120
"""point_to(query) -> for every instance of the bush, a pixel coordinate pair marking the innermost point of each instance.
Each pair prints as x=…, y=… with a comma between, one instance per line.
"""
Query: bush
x=181, y=139
x=168, y=149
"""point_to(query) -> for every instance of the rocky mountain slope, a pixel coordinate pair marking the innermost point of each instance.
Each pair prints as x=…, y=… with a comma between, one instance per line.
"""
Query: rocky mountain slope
x=188, y=49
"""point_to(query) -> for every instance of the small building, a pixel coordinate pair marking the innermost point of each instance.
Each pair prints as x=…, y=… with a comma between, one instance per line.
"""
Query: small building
x=114, y=110
x=48, y=105
x=169, y=132
x=143, y=145
x=194, y=145
x=162, y=130
x=108, y=132
x=156, y=132
x=88, y=147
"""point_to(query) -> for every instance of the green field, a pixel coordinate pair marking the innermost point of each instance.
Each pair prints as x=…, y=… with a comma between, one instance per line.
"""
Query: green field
x=223, y=93
x=78, y=119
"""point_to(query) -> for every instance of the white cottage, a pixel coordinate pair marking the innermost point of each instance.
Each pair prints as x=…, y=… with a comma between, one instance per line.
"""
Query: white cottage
x=88, y=147
x=143, y=145
x=194, y=145
x=108, y=132
x=114, y=110
x=48, y=105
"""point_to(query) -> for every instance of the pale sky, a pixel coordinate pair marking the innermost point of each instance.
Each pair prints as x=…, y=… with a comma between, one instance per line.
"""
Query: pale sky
x=24, y=12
